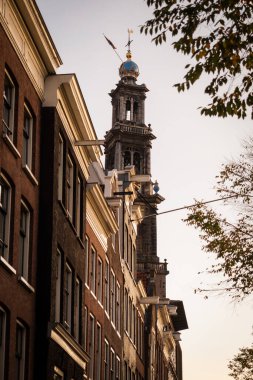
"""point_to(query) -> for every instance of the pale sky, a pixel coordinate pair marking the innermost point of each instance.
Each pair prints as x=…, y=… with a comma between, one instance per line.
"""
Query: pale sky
x=186, y=157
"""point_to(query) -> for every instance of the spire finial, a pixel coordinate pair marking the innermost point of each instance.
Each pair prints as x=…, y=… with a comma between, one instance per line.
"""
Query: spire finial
x=129, y=54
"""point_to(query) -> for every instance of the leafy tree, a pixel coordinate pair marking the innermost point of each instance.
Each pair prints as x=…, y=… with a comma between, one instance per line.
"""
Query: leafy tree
x=230, y=240
x=241, y=366
x=218, y=36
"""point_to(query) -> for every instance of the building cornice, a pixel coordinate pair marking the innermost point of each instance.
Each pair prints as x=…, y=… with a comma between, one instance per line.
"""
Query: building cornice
x=63, y=93
x=104, y=216
x=30, y=39
x=40, y=34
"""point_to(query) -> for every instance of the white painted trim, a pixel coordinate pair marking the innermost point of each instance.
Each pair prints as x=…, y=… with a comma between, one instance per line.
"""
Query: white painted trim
x=23, y=44
x=91, y=217
x=74, y=352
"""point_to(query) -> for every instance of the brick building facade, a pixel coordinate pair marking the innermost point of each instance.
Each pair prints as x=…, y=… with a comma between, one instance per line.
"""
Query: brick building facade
x=23, y=68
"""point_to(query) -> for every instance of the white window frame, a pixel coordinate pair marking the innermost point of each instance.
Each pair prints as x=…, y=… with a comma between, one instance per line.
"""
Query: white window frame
x=85, y=326
x=113, y=297
x=10, y=104
x=60, y=167
x=106, y=360
x=3, y=324
x=5, y=215
x=130, y=316
x=100, y=280
x=118, y=307
x=28, y=138
x=21, y=335
x=93, y=270
x=86, y=259
x=107, y=286
x=98, y=351
x=79, y=206
x=58, y=286
x=118, y=368
x=91, y=345
x=70, y=187
x=68, y=297
x=112, y=363
x=78, y=290
x=126, y=306
x=24, y=240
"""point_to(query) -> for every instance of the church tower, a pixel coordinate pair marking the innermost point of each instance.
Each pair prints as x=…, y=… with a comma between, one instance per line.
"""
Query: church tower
x=128, y=143
x=129, y=140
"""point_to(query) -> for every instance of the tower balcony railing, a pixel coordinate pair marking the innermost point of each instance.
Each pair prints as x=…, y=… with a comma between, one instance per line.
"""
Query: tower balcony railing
x=133, y=129
x=158, y=267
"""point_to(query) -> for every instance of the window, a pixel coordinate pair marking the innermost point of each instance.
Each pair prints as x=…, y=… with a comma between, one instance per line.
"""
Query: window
x=129, y=255
x=134, y=324
x=20, y=351
x=91, y=346
x=128, y=109
x=86, y=259
x=112, y=363
x=137, y=162
x=106, y=373
x=68, y=297
x=130, y=316
x=2, y=342
x=5, y=216
x=142, y=339
x=24, y=241
x=125, y=371
x=126, y=309
x=117, y=368
x=117, y=307
x=134, y=260
x=98, y=353
x=60, y=167
x=85, y=323
x=70, y=188
x=127, y=158
x=79, y=207
x=107, y=288
x=125, y=254
x=9, y=105
x=100, y=281
x=112, y=301
x=93, y=271
x=78, y=309
x=58, y=290
x=28, y=130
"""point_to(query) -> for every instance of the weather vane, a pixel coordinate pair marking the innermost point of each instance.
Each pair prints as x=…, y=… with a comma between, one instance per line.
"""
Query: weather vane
x=130, y=31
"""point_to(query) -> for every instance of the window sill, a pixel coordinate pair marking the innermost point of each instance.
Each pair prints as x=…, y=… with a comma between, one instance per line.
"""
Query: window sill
x=26, y=284
x=11, y=146
x=7, y=265
x=93, y=294
x=30, y=175
x=80, y=241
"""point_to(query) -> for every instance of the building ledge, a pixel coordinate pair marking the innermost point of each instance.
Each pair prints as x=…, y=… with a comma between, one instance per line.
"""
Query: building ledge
x=60, y=336
x=7, y=265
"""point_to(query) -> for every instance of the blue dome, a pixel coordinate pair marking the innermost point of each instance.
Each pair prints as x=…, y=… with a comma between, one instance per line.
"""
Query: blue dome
x=129, y=69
